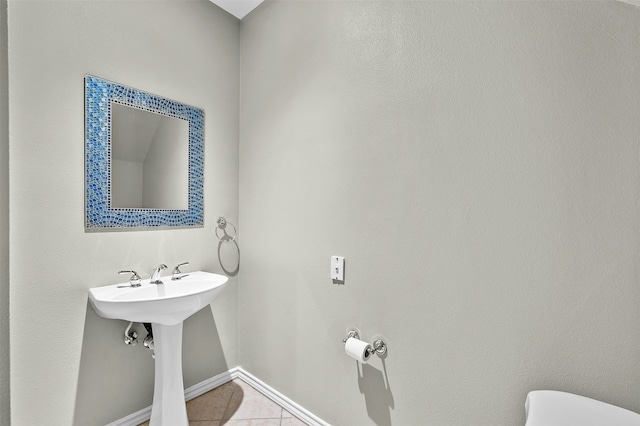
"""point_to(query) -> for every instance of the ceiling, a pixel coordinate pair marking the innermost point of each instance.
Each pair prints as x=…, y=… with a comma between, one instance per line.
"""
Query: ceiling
x=238, y=8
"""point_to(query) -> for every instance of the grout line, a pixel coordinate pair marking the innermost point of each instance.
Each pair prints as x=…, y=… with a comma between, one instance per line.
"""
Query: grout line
x=294, y=410
x=230, y=399
x=226, y=408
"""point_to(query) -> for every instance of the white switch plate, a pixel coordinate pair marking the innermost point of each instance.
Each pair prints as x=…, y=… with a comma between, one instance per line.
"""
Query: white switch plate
x=337, y=268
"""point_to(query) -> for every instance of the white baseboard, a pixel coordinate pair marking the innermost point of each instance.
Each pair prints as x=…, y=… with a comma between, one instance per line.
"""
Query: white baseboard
x=133, y=419
x=205, y=386
x=212, y=383
x=283, y=401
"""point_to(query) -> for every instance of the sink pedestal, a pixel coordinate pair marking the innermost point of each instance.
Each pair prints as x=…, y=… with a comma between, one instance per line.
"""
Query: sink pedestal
x=165, y=306
x=169, y=407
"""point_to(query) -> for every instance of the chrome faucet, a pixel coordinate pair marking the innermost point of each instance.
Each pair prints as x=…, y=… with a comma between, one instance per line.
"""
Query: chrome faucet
x=155, y=276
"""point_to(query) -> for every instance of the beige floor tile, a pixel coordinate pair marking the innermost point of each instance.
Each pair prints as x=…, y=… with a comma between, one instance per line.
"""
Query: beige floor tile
x=251, y=422
x=292, y=421
x=242, y=384
x=247, y=403
x=211, y=405
x=237, y=404
x=289, y=419
x=195, y=423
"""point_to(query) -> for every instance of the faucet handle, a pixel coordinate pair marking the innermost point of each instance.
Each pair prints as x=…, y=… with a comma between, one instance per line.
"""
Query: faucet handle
x=176, y=271
x=135, y=279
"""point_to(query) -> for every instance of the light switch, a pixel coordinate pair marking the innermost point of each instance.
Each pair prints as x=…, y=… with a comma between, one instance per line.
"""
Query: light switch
x=337, y=268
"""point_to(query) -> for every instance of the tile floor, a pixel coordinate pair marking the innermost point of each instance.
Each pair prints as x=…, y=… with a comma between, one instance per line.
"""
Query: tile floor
x=237, y=404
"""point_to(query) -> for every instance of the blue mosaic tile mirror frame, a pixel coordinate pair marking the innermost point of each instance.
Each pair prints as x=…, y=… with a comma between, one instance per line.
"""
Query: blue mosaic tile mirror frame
x=99, y=215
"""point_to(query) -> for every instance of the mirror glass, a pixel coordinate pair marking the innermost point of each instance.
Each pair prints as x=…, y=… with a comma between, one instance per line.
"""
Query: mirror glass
x=149, y=159
x=144, y=160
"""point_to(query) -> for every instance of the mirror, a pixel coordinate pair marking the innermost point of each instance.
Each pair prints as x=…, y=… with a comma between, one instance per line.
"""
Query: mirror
x=149, y=159
x=144, y=158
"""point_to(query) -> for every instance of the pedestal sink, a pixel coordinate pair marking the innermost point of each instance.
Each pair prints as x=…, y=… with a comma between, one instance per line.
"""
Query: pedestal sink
x=165, y=306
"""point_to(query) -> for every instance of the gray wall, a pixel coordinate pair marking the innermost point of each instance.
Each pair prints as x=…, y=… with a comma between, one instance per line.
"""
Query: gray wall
x=4, y=221
x=477, y=165
x=65, y=359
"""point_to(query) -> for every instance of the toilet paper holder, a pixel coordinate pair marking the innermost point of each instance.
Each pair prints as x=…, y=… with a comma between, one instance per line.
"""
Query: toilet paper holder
x=379, y=346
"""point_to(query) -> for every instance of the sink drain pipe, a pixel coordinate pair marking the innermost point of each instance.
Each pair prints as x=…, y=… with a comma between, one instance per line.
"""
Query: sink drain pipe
x=131, y=337
x=148, y=341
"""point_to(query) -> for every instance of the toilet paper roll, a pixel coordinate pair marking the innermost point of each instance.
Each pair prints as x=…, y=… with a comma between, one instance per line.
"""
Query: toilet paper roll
x=358, y=350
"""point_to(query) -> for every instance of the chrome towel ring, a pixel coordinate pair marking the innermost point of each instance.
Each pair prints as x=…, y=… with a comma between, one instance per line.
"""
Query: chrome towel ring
x=222, y=225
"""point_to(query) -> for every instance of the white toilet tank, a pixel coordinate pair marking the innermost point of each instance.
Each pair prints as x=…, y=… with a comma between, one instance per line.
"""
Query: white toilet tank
x=553, y=408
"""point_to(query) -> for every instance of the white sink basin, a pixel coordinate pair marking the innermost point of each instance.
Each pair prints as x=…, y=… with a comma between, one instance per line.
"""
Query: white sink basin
x=169, y=303
x=165, y=306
